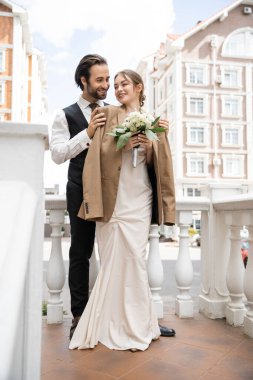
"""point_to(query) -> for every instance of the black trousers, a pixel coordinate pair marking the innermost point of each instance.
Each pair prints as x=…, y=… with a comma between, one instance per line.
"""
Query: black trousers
x=81, y=247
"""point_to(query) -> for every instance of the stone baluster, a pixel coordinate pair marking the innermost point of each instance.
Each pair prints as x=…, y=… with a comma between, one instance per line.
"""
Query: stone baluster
x=248, y=286
x=55, y=272
x=184, y=268
x=235, y=311
x=94, y=269
x=155, y=269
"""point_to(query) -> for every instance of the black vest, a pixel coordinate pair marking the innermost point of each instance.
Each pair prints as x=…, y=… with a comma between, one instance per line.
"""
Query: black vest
x=76, y=123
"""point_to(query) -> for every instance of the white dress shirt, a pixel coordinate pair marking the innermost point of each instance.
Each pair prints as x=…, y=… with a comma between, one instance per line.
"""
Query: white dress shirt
x=62, y=147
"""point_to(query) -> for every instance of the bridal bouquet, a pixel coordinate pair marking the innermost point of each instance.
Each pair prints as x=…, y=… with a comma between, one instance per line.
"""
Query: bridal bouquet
x=136, y=122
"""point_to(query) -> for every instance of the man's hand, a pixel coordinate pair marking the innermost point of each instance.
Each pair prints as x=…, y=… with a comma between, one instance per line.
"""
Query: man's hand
x=97, y=120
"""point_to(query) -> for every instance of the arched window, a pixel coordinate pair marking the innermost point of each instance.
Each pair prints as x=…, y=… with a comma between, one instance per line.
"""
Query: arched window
x=239, y=44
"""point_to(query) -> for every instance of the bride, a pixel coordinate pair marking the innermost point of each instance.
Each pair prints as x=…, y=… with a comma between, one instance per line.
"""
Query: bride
x=123, y=200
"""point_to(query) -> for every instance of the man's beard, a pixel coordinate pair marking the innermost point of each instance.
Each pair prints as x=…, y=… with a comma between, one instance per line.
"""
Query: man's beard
x=96, y=93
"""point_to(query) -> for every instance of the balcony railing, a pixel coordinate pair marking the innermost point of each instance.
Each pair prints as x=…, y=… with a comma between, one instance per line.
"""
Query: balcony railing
x=226, y=287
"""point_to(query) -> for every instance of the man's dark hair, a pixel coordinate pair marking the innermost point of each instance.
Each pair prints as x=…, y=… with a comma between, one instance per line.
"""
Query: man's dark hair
x=83, y=68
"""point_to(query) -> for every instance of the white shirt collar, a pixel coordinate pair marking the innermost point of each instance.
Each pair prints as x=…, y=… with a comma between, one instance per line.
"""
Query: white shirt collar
x=85, y=103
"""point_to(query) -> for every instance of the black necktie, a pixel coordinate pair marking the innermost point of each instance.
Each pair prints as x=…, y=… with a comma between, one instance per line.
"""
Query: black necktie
x=93, y=106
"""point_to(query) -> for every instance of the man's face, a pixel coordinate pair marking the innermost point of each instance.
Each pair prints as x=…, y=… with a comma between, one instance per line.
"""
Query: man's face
x=98, y=83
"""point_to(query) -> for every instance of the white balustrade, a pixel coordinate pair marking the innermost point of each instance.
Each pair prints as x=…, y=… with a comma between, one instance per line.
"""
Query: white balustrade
x=184, y=268
x=248, y=285
x=215, y=248
x=222, y=269
x=155, y=269
x=235, y=310
x=55, y=271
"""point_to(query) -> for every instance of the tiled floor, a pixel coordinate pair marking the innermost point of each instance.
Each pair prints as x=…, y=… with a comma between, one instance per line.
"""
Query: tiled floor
x=203, y=349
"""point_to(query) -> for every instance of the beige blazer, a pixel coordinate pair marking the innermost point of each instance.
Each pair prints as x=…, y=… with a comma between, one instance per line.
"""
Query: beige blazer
x=102, y=170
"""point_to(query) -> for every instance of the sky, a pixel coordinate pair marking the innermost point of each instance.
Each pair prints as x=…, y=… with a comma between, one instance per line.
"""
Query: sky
x=123, y=31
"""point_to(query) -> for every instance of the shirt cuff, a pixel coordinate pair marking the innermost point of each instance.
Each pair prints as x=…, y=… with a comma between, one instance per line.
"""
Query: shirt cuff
x=84, y=139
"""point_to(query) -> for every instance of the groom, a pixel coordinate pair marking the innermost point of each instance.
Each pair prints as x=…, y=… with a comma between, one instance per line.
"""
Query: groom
x=72, y=132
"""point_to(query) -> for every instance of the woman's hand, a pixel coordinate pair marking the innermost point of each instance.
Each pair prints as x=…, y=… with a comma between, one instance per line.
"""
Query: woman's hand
x=97, y=120
x=148, y=146
x=144, y=141
x=164, y=123
x=133, y=142
x=141, y=140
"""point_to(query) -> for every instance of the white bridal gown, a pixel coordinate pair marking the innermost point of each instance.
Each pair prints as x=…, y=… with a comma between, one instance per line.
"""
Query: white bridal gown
x=120, y=312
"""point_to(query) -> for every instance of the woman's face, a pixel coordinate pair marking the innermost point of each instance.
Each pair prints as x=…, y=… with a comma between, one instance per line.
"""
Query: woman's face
x=126, y=91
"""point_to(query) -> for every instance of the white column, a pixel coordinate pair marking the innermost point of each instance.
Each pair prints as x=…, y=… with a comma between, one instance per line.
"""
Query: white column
x=155, y=270
x=248, y=286
x=214, y=259
x=184, y=269
x=55, y=272
x=235, y=311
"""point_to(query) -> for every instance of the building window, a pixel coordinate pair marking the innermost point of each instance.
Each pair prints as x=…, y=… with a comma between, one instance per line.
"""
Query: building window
x=196, y=104
x=232, y=165
x=197, y=165
x=239, y=44
x=196, y=74
x=231, y=106
x=231, y=76
x=192, y=192
x=196, y=133
x=161, y=92
x=232, y=135
x=2, y=92
x=169, y=81
x=2, y=60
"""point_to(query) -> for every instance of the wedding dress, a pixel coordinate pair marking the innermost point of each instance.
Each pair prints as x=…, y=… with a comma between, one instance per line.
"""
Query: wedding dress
x=120, y=312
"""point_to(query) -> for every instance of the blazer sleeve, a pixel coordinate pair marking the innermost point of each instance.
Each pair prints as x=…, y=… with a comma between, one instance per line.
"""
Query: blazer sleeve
x=167, y=180
x=92, y=205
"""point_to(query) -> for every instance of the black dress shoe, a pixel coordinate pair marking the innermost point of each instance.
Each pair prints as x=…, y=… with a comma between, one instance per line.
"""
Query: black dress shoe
x=75, y=321
x=165, y=331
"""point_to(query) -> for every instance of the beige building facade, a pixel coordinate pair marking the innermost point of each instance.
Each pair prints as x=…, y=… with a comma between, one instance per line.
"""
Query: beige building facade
x=22, y=68
x=202, y=81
